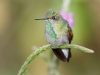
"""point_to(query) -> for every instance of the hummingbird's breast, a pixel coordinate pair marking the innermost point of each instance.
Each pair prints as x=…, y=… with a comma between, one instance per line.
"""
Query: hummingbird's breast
x=56, y=34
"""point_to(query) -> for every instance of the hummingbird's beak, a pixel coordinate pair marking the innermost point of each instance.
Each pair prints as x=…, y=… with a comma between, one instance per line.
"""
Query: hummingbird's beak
x=41, y=18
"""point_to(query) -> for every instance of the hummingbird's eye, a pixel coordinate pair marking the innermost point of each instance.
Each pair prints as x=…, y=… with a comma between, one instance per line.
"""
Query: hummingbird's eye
x=53, y=17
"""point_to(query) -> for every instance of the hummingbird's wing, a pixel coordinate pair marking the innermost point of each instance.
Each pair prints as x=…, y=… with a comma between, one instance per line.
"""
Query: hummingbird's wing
x=70, y=35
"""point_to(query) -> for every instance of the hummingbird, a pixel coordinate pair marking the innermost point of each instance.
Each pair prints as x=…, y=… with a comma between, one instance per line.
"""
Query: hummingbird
x=58, y=32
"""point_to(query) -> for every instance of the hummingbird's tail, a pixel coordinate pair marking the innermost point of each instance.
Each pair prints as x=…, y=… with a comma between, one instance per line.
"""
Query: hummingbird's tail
x=63, y=54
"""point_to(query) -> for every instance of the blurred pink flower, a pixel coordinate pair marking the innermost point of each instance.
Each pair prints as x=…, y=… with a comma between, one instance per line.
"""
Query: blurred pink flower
x=69, y=17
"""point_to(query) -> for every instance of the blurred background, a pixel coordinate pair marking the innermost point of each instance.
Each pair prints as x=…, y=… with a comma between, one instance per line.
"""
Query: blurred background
x=19, y=32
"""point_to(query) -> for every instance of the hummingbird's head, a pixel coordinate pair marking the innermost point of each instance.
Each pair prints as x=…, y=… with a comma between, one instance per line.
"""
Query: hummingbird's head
x=51, y=16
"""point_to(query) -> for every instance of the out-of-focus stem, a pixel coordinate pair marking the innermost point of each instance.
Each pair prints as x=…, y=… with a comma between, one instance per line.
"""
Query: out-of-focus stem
x=53, y=68
x=65, y=5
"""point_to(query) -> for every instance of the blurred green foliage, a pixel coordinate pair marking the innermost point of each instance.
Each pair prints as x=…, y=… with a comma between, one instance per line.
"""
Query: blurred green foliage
x=19, y=32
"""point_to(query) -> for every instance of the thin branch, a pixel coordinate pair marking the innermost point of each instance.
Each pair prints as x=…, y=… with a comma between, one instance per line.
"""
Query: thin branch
x=74, y=46
x=46, y=47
